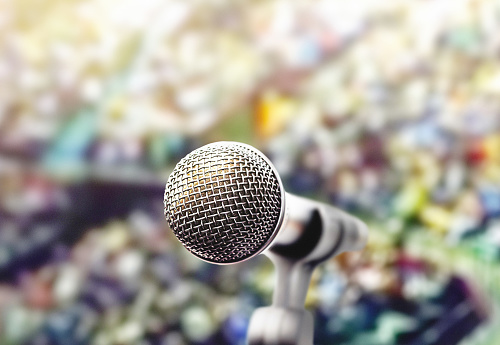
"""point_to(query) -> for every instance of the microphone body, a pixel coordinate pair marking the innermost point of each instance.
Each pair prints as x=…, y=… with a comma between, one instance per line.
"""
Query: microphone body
x=313, y=231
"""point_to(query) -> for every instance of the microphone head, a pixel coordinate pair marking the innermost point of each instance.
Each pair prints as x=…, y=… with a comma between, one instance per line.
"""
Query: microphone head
x=224, y=202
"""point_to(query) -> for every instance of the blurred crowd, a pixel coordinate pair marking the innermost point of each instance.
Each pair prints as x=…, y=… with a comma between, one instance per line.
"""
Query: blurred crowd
x=389, y=110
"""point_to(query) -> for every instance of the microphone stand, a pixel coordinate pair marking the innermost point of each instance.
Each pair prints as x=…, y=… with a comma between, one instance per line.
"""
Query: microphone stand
x=313, y=233
x=285, y=322
x=294, y=255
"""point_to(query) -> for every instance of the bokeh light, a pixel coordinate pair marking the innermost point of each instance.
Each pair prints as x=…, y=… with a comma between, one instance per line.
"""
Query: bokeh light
x=388, y=109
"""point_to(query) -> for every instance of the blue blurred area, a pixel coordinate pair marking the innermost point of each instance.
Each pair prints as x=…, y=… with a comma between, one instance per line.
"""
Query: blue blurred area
x=387, y=109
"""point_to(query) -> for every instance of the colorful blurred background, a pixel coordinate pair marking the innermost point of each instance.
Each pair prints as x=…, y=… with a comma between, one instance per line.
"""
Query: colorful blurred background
x=389, y=109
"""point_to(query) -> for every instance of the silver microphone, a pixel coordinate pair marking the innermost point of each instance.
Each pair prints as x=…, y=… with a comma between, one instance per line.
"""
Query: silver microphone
x=225, y=203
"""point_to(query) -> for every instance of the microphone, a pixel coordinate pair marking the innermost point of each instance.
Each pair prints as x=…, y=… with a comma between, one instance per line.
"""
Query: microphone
x=225, y=203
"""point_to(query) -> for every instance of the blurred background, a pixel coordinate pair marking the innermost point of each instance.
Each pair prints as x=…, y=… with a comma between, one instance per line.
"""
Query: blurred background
x=389, y=109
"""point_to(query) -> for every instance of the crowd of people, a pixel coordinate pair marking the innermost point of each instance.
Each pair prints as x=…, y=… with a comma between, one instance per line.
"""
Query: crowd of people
x=389, y=110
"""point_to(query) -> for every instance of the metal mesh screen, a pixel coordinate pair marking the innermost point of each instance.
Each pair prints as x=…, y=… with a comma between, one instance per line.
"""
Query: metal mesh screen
x=223, y=202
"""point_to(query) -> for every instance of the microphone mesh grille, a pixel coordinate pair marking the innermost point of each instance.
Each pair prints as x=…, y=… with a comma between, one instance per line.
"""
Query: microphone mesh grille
x=223, y=202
